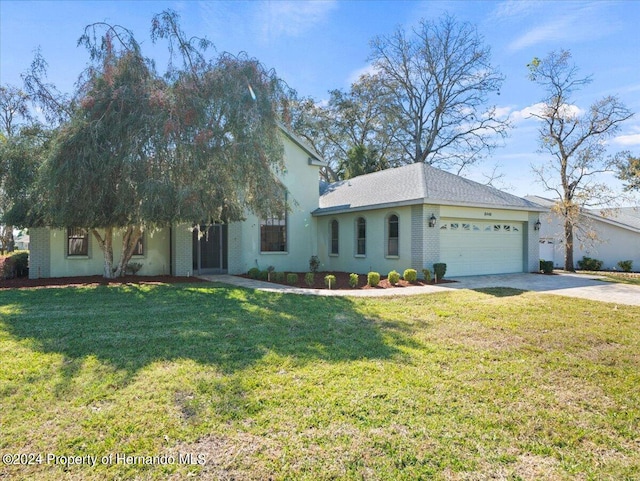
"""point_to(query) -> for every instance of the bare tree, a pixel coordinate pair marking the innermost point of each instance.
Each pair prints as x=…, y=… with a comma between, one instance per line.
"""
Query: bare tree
x=575, y=140
x=439, y=79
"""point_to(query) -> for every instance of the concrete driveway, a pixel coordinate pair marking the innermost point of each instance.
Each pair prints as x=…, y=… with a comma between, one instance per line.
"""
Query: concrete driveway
x=561, y=284
x=571, y=285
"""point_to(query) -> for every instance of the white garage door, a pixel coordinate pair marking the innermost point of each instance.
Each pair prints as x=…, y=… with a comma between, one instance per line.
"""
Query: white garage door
x=475, y=247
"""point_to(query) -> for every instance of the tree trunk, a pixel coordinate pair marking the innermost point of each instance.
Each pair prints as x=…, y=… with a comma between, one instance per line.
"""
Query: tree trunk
x=106, y=245
x=568, y=246
x=129, y=241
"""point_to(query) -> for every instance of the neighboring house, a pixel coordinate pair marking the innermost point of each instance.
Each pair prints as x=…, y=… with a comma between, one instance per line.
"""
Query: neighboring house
x=617, y=236
x=417, y=215
x=411, y=216
x=21, y=240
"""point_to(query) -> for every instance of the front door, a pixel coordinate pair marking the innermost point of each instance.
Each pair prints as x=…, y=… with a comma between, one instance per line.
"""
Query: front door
x=210, y=250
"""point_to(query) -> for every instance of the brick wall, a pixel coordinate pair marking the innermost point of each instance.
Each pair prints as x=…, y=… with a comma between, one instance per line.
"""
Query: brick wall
x=39, y=253
x=182, y=246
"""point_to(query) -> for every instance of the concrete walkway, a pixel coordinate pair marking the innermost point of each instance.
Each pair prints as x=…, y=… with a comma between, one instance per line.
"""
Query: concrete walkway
x=562, y=284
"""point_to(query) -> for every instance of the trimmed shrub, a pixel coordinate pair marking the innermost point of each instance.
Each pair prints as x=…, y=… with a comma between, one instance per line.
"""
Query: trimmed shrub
x=589, y=264
x=292, y=278
x=546, y=266
x=373, y=279
x=314, y=264
x=353, y=280
x=410, y=275
x=330, y=281
x=278, y=276
x=625, y=266
x=393, y=277
x=263, y=276
x=21, y=262
x=309, y=278
x=254, y=273
x=7, y=267
x=439, y=270
x=427, y=275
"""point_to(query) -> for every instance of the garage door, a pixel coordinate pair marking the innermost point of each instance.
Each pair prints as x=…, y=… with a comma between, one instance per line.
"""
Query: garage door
x=474, y=247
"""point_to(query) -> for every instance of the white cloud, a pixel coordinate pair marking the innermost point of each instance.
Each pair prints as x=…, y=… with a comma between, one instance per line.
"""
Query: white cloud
x=627, y=140
x=510, y=9
x=289, y=18
x=527, y=113
x=356, y=74
x=570, y=22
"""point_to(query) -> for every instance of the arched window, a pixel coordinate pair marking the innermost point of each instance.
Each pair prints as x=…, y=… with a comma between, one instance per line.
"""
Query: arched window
x=333, y=231
x=393, y=235
x=361, y=236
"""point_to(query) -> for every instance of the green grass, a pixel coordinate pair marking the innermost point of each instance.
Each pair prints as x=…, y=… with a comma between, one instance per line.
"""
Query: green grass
x=487, y=384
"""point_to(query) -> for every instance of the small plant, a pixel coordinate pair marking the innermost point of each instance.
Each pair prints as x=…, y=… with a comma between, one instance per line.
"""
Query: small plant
x=278, y=276
x=439, y=270
x=589, y=264
x=393, y=277
x=373, y=279
x=7, y=267
x=353, y=280
x=254, y=273
x=292, y=278
x=133, y=268
x=314, y=264
x=410, y=275
x=546, y=266
x=427, y=275
x=270, y=270
x=625, y=266
x=330, y=281
x=263, y=275
x=309, y=278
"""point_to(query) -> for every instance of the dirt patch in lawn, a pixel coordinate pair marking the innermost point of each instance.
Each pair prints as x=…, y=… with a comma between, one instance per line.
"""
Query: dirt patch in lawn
x=342, y=281
x=23, y=282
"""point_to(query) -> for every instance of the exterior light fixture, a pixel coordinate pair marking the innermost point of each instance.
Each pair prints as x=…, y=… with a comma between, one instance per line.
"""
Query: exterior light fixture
x=432, y=221
x=537, y=225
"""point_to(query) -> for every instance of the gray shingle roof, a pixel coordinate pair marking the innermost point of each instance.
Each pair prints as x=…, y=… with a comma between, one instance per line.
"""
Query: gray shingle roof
x=414, y=184
x=625, y=217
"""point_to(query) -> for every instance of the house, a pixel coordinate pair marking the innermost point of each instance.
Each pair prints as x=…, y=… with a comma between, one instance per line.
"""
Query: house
x=617, y=236
x=411, y=216
x=417, y=215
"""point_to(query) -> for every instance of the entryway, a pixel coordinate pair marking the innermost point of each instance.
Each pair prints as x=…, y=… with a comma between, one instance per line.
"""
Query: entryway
x=210, y=250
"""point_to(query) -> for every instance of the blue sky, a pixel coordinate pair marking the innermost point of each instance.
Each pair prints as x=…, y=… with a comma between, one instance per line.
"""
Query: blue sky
x=321, y=45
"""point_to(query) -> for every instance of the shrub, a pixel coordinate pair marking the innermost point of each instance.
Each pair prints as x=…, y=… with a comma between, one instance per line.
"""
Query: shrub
x=625, y=266
x=373, y=279
x=427, y=275
x=546, y=266
x=330, y=281
x=254, y=273
x=353, y=280
x=439, y=270
x=589, y=264
x=410, y=275
x=309, y=278
x=278, y=276
x=7, y=267
x=21, y=263
x=393, y=277
x=133, y=268
x=314, y=264
x=292, y=278
x=263, y=275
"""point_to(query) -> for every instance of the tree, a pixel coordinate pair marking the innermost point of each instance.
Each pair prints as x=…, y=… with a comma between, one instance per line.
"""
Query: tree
x=437, y=80
x=14, y=115
x=629, y=172
x=136, y=150
x=575, y=140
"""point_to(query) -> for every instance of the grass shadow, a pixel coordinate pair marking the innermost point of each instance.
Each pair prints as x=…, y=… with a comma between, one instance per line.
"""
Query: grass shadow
x=500, y=291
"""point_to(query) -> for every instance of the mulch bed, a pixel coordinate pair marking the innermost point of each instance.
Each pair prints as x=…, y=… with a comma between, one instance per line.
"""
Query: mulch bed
x=23, y=282
x=342, y=282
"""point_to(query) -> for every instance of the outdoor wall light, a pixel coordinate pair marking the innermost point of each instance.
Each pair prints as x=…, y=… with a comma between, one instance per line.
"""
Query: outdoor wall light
x=432, y=221
x=537, y=225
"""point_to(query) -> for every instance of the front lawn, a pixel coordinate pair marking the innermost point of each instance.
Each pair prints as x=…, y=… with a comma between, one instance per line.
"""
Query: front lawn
x=492, y=384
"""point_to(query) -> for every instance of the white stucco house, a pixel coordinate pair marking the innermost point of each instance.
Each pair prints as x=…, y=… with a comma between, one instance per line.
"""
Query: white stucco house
x=411, y=216
x=617, y=236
